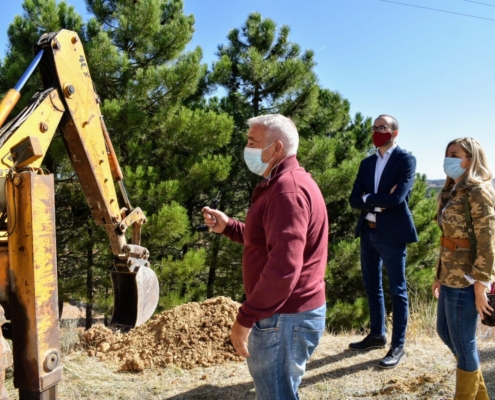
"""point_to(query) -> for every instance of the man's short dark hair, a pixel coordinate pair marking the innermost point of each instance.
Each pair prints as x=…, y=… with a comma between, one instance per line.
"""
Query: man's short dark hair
x=393, y=122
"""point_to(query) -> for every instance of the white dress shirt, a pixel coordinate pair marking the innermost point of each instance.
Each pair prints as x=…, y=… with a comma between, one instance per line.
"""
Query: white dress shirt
x=381, y=162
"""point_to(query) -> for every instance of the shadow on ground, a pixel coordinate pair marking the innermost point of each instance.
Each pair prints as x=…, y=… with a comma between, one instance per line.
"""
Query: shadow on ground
x=487, y=357
x=210, y=392
x=81, y=322
x=246, y=390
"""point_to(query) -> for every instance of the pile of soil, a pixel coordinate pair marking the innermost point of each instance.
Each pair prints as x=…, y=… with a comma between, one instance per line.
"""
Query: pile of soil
x=187, y=336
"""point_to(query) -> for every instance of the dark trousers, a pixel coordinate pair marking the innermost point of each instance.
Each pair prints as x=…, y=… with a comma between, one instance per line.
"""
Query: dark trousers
x=373, y=255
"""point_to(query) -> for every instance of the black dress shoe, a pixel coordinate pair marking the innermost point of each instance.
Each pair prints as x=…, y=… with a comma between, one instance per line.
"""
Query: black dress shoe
x=393, y=357
x=369, y=342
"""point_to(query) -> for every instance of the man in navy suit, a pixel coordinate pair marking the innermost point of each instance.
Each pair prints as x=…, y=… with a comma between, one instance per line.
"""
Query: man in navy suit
x=381, y=191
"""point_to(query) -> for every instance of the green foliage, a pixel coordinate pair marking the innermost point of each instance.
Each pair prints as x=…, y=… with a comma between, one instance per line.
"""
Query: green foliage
x=344, y=282
x=39, y=17
x=348, y=315
x=169, y=226
x=167, y=142
x=179, y=281
x=422, y=256
x=346, y=309
x=263, y=72
x=180, y=148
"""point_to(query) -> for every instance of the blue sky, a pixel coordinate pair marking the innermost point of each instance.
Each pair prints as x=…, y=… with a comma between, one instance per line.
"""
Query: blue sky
x=434, y=71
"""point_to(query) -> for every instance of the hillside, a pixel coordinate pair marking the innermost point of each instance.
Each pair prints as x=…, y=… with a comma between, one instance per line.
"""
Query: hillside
x=436, y=183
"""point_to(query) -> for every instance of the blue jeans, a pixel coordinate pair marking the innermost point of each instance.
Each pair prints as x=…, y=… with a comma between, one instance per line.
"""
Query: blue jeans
x=456, y=325
x=373, y=255
x=279, y=347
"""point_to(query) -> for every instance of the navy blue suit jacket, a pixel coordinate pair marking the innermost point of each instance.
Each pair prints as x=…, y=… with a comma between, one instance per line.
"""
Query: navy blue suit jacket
x=394, y=224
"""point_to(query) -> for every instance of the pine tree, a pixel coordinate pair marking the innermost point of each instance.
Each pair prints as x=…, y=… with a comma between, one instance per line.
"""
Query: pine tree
x=263, y=72
x=151, y=90
x=167, y=137
x=180, y=148
x=41, y=16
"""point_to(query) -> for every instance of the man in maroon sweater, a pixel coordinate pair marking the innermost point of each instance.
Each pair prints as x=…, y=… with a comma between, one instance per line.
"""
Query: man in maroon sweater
x=285, y=240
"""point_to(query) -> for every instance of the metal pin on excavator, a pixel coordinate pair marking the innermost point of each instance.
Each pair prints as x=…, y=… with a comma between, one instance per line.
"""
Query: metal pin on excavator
x=28, y=268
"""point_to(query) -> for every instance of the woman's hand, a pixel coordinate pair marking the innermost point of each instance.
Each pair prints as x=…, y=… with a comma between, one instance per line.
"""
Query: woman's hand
x=481, y=299
x=435, y=289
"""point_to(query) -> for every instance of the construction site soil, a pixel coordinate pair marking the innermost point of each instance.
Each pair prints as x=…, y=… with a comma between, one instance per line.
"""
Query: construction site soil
x=187, y=336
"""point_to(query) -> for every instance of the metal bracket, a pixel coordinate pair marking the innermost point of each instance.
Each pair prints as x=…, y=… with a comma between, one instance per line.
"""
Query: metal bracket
x=135, y=216
x=26, y=151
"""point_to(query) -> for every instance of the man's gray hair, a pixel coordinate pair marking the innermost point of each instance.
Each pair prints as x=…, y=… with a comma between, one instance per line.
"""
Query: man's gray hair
x=280, y=128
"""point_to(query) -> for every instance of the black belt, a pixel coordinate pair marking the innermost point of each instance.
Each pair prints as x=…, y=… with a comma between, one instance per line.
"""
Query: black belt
x=371, y=225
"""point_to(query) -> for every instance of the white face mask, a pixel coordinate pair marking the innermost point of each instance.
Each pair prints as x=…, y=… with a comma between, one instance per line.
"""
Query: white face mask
x=452, y=167
x=252, y=157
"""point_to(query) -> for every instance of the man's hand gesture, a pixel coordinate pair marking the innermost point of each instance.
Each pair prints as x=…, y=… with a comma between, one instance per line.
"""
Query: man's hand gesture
x=215, y=219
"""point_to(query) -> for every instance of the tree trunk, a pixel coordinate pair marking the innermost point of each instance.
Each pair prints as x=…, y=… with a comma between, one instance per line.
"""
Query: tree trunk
x=212, y=273
x=256, y=101
x=89, y=283
x=106, y=322
x=60, y=306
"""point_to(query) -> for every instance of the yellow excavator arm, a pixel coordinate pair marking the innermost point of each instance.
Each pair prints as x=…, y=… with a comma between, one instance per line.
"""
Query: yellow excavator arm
x=28, y=283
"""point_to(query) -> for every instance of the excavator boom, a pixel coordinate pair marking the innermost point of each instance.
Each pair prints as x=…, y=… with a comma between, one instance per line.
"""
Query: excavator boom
x=68, y=103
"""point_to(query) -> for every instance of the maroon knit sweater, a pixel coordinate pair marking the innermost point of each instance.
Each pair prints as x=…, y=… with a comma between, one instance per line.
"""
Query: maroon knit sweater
x=285, y=241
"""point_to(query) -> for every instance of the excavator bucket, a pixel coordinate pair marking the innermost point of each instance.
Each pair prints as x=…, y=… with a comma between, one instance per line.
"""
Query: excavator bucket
x=135, y=297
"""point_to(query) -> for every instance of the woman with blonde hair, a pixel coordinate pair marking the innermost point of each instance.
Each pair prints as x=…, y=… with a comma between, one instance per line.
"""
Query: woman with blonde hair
x=465, y=269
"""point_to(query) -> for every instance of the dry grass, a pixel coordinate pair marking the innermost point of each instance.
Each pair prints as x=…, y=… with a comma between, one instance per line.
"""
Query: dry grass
x=69, y=336
x=426, y=373
x=423, y=315
x=333, y=373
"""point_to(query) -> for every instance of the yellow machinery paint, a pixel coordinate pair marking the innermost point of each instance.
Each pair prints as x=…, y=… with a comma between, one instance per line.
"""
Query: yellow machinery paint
x=43, y=122
x=28, y=267
x=8, y=103
x=33, y=281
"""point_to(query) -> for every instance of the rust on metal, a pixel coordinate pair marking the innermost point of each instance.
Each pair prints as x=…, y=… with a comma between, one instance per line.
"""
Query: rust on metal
x=5, y=358
x=85, y=141
x=136, y=216
x=4, y=278
x=33, y=297
x=49, y=112
x=136, y=294
x=136, y=233
x=112, y=157
x=8, y=103
x=26, y=151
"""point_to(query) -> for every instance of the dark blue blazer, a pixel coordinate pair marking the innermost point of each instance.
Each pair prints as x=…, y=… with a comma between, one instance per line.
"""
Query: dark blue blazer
x=394, y=224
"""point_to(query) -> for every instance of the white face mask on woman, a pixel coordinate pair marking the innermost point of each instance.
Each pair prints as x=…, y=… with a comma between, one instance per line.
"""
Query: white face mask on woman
x=452, y=167
x=252, y=157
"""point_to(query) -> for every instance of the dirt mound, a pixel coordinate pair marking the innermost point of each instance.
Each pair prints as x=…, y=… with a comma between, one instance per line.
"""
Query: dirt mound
x=188, y=336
